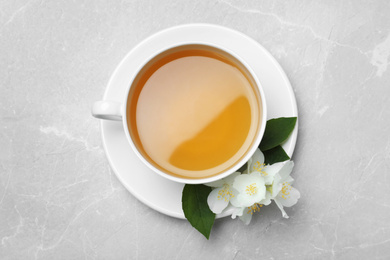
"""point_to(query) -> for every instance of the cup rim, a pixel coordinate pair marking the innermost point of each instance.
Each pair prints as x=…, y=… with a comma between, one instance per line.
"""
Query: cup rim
x=237, y=164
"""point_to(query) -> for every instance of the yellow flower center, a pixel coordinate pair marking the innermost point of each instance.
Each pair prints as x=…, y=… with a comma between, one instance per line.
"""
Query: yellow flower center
x=251, y=189
x=259, y=167
x=254, y=208
x=225, y=193
x=286, y=190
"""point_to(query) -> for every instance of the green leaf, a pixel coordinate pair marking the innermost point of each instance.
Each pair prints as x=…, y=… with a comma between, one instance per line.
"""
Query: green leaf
x=274, y=155
x=196, y=209
x=276, y=132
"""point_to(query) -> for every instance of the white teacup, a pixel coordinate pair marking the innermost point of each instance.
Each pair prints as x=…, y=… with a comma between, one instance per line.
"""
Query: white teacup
x=119, y=111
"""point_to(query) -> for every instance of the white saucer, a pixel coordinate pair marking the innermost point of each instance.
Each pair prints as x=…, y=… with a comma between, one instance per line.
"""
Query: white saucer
x=153, y=190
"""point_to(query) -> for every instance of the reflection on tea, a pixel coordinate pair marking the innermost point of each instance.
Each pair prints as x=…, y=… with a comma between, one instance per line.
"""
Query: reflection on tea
x=193, y=112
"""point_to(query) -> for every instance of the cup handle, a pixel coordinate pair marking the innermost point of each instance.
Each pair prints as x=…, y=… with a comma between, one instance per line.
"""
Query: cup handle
x=110, y=110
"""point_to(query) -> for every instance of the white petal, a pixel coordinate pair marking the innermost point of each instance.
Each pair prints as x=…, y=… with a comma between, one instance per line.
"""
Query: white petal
x=240, y=200
x=286, y=170
x=228, y=208
x=289, y=180
x=244, y=199
x=230, y=179
x=249, y=165
x=280, y=206
x=291, y=199
x=276, y=185
x=242, y=181
x=215, y=184
x=246, y=217
x=237, y=212
x=256, y=159
x=274, y=168
x=267, y=200
x=217, y=205
x=270, y=172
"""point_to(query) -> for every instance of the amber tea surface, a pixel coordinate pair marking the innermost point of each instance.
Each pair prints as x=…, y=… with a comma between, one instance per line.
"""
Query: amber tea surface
x=193, y=112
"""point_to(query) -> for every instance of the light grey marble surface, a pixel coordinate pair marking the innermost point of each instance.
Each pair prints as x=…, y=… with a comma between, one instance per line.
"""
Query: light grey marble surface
x=59, y=199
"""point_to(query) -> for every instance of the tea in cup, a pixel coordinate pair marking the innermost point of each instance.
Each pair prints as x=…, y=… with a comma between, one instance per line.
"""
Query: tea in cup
x=193, y=112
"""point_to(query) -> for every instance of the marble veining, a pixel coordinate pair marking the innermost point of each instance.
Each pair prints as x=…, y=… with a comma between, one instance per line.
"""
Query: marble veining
x=59, y=198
